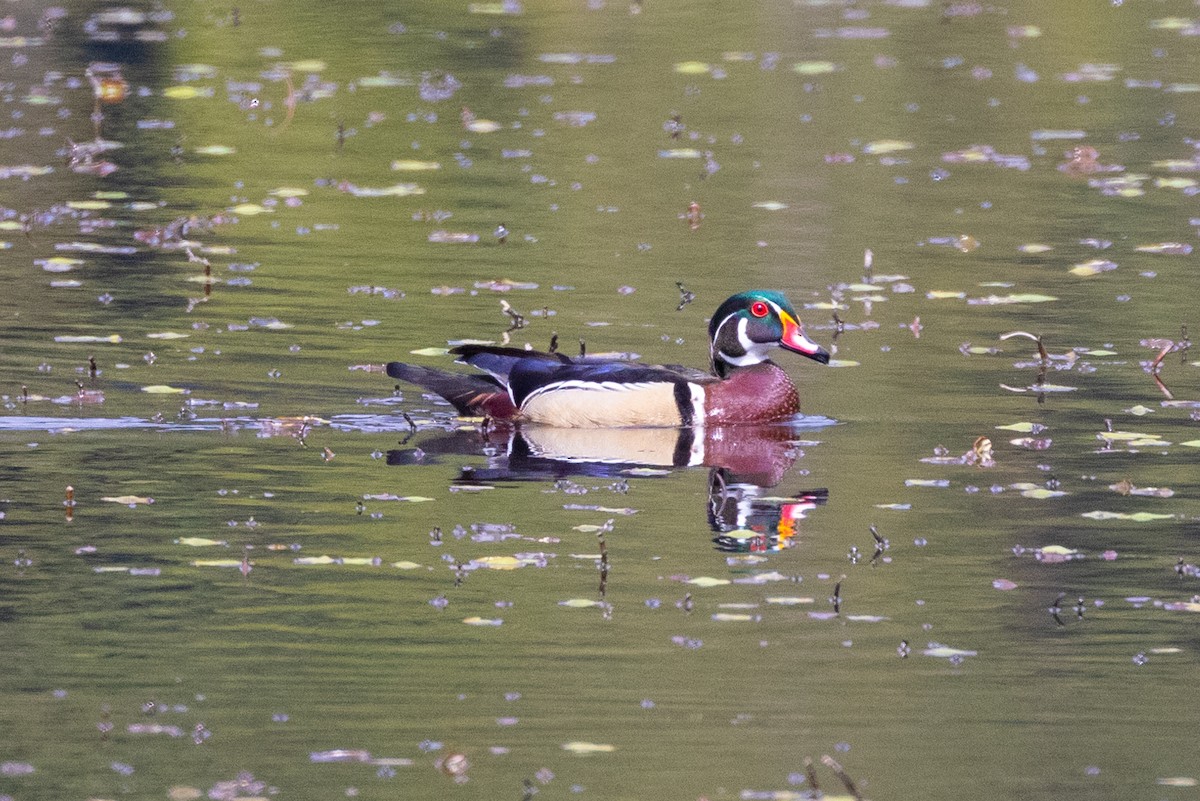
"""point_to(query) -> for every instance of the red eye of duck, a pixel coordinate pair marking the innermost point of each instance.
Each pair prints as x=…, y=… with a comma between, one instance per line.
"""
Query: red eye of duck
x=759, y=309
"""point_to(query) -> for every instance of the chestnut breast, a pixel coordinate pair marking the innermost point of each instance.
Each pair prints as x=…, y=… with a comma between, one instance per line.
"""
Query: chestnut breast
x=761, y=393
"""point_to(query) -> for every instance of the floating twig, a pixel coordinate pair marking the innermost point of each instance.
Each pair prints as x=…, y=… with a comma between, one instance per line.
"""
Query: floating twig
x=686, y=296
x=840, y=772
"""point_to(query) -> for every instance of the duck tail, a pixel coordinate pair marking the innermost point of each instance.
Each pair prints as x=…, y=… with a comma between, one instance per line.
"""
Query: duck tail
x=470, y=395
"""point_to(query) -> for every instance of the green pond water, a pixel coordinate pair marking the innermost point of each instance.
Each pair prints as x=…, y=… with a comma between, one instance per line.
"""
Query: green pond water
x=237, y=561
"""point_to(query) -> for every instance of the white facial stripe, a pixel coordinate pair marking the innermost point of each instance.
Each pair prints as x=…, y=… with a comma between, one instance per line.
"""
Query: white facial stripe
x=756, y=352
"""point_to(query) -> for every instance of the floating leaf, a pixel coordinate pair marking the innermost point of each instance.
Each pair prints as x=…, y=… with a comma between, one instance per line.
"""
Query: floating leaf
x=199, y=542
x=946, y=652
x=187, y=92
x=58, y=264
x=781, y=600
x=926, y=482
x=1005, y=300
x=815, y=67
x=316, y=560
x=406, y=565
x=482, y=621
x=307, y=65
x=1166, y=248
x=708, y=581
x=163, y=389
x=1126, y=436
x=413, y=165
x=1182, y=606
x=1034, y=248
x=1041, y=493
x=692, y=68
x=167, y=335
x=250, y=209
x=579, y=603
x=1004, y=584
x=217, y=563
x=483, y=126
x=727, y=617
x=1023, y=428
x=583, y=749
x=128, y=500
x=452, y=237
x=114, y=339
x=1093, y=267
x=216, y=150
x=770, y=205
x=944, y=294
x=395, y=190
x=499, y=562
x=680, y=153
x=1137, y=517
x=883, y=146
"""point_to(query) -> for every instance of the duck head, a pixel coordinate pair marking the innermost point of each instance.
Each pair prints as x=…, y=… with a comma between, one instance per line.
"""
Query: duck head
x=748, y=325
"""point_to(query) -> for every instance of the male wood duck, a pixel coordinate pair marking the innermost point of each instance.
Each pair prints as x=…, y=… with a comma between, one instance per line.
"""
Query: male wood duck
x=552, y=389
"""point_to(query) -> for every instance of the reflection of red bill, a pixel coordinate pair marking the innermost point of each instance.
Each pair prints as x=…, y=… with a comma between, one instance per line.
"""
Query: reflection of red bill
x=789, y=513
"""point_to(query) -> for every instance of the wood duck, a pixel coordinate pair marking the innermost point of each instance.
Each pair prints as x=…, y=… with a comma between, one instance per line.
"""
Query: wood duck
x=553, y=389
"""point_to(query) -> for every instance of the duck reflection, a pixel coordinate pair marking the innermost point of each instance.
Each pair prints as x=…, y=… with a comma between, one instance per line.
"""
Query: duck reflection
x=745, y=463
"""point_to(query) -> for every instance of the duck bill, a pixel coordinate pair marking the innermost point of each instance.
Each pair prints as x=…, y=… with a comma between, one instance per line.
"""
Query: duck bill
x=793, y=339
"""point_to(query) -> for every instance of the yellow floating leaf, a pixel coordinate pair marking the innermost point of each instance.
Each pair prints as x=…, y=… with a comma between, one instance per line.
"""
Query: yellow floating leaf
x=499, y=562
x=413, y=165
x=483, y=126
x=199, y=542
x=579, y=603
x=288, y=191
x=680, y=153
x=785, y=600
x=692, y=68
x=1126, y=436
x=482, y=621
x=728, y=617
x=945, y=294
x=163, y=389
x=1020, y=428
x=1178, y=781
x=89, y=205
x=406, y=565
x=843, y=363
x=1166, y=248
x=58, y=264
x=1175, y=183
x=584, y=748
x=771, y=205
x=430, y=352
x=216, y=150
x=815, y=67
x=114, y=339
x=1093, y=267
x=883, y=146
x=187, y=92
x=128, y=500
x=708, y=581
x=1034, y=248
x=307, y=65
x=324, y=559
x=167, y=335
x=217, y=563
x=1041, y=493
x=1191, y=443
x=250, y=209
